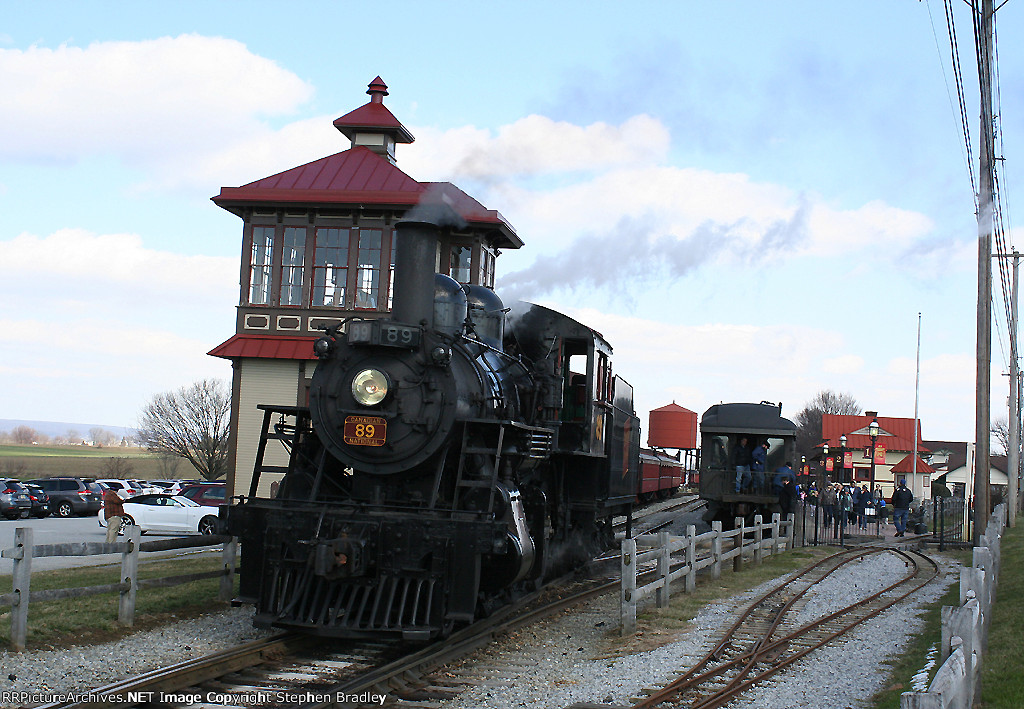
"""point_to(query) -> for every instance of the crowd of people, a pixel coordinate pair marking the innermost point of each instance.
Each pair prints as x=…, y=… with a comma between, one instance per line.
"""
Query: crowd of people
x=842, y=504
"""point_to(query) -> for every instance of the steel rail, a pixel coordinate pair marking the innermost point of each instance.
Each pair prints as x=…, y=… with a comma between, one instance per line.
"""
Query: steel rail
x=767, y=649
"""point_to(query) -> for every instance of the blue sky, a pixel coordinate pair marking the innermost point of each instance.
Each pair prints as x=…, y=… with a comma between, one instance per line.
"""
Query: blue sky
x=751, y=200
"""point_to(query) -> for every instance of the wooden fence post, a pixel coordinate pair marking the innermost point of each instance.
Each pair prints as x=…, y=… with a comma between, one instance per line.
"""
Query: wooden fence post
x=21, y=578
x=758, y=540
x=664, y=569
x=716, y=549
x=691, y=558
x=227, y=581
x=776, y=527
x=791, y=532
x=737, y=561
x=129, y=575
x=627, y=598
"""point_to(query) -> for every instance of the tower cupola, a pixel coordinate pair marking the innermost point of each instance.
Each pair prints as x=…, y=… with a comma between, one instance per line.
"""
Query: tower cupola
x=373, y=126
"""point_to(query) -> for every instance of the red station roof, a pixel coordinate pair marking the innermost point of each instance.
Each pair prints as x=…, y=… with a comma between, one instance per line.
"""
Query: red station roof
x=265, y=347
x=907, y=466
x=896, y=434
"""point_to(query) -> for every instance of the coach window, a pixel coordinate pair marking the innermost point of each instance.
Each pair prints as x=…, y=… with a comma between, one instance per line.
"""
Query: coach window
x=293, y=253
x=460, y=261
x=260, y=265
x=368, y=273
x=330, y=268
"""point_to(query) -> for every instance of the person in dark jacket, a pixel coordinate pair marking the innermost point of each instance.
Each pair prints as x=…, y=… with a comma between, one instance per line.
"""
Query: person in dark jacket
x=788, y=497
x=758, y=463
x=741, y=458
x=901, y=500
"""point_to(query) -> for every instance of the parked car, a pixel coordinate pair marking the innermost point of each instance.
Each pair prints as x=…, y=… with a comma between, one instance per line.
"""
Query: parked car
x=168, y=513
x=123, y=488
x=169, y=487
x=146, y=487
x=15, y=501
x=72, y=496
x=209, y=493
x=40, y=501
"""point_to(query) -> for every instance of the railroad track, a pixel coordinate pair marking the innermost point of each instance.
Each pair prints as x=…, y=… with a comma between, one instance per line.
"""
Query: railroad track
x=289, y=669
x=768, y=637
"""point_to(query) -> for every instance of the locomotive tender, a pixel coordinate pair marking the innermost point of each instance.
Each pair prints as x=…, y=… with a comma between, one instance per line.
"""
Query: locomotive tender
x=722, y=428
x=450, y=455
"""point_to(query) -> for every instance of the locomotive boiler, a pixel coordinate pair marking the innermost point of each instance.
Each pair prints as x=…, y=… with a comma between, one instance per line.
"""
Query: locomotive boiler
x=450, y=456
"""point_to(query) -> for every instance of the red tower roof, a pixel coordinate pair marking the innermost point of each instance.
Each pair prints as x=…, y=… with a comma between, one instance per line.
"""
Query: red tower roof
x=374, y=116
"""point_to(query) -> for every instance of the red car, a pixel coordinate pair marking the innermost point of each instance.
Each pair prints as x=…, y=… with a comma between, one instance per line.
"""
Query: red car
x=206, y=493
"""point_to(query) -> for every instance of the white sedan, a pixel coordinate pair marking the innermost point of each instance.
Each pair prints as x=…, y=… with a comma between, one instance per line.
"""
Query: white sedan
x=168, y=514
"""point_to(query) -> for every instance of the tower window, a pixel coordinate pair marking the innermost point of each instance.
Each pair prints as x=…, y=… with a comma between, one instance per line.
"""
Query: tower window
x=260, y=264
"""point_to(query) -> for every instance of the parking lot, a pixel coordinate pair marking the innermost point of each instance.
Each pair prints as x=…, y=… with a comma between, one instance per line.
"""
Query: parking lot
x=54, y=530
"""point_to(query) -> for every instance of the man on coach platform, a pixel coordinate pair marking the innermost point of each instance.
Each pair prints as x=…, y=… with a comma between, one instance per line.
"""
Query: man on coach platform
x=901, y=500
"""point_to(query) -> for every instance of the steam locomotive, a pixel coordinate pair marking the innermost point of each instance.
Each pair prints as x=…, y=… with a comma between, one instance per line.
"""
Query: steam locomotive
x=451, y=456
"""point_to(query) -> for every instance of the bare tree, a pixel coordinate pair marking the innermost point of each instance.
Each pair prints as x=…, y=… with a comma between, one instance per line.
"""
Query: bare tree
x=25, y=435
x=1001, y=432
x=808, y=420
x=119, y=468
x=190, y=423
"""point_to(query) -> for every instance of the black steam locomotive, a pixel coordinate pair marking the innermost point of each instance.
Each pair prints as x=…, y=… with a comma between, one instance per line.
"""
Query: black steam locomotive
x=450, y=455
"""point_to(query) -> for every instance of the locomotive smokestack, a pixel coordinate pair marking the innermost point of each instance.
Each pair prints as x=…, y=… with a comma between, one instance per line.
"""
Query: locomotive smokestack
x=415, y=256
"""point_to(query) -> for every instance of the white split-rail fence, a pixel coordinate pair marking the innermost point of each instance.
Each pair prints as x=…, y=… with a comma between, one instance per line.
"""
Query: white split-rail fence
x=756, y=541
x=957, y=683
x=128, y=587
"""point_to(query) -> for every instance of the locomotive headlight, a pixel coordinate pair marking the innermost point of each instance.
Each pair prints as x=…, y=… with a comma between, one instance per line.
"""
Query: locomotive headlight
x=369, y=387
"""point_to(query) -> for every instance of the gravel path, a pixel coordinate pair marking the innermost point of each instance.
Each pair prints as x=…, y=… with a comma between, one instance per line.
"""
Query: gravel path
x=566, y=664
x=566, y=660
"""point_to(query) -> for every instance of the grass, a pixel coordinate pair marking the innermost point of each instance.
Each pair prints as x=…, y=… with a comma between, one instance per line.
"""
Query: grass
x=30, y=462
x=93, y=619
x=1002, y=683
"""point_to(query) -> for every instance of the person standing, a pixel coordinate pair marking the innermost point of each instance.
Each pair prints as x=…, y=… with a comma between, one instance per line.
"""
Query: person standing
x=758, y=464
x=828, y=505
x=787, y=498
x=113, y=513
x=741, y=457
x=901, y=500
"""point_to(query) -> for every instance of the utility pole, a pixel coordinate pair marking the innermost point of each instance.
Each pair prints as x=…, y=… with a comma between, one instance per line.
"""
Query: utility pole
x=983, y=381
x=1013, y=455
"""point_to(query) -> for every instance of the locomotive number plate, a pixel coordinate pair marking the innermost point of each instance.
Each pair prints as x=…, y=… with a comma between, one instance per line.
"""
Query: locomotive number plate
x=365, y=430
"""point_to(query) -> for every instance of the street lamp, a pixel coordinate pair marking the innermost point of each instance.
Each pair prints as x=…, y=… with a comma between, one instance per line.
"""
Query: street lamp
x=873, y=432
x=842, y=458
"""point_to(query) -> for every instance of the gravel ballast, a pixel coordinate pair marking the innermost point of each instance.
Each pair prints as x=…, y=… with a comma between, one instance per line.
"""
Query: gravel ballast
x=555, y=663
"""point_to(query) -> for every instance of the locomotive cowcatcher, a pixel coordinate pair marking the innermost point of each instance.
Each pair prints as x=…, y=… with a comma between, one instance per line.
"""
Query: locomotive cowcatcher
x=451, y=456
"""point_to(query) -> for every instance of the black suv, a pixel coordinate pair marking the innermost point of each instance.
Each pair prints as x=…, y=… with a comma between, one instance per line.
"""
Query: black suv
x=14, y=499
x=72, y=496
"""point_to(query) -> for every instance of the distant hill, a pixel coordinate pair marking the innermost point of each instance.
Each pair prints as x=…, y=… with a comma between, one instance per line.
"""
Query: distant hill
x=60, y=428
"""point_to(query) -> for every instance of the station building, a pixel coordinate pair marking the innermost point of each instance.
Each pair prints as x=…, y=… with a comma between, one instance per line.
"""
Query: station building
x=894, y=449
x=317, y=247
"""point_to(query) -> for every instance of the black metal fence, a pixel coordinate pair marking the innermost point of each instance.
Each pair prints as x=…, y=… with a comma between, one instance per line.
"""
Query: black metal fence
x=945, y=519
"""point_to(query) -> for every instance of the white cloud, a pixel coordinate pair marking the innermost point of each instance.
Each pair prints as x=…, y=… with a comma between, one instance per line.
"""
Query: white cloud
x=142, y=101
x=78, y=258
x=534, y=145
